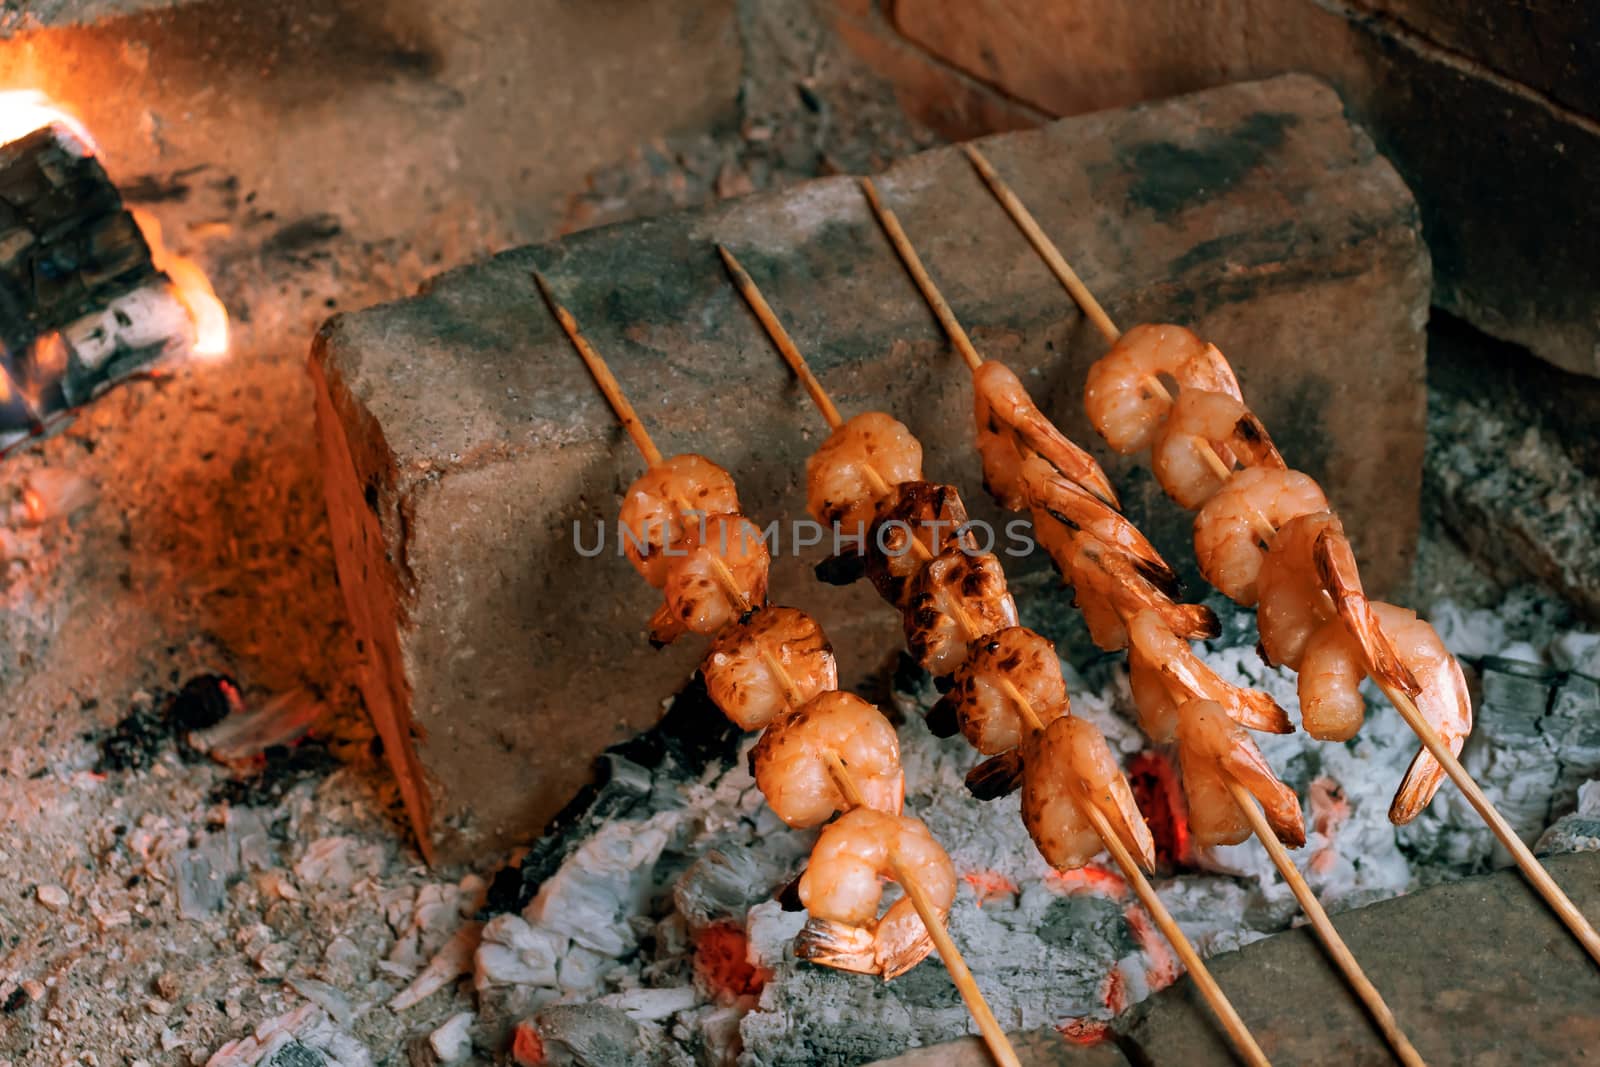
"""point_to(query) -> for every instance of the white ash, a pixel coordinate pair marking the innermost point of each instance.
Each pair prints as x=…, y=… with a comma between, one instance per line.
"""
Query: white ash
x=629, y=901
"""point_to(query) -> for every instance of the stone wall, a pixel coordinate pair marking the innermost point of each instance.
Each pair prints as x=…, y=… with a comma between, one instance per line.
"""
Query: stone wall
x=1490, y=111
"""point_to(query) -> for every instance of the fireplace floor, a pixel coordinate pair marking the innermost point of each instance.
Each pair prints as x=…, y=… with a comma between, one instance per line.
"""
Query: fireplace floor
x=158, y=905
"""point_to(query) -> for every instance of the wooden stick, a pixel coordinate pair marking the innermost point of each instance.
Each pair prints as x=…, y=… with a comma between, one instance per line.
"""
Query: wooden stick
x=780, y=337
x=1340, y=953
x=994, y=1034
x=1220, y=1005
x=919, y=274
x=602, y=376
x=1537, y=876
x=1043, y=245
x=791, y=355
x=1540, y=878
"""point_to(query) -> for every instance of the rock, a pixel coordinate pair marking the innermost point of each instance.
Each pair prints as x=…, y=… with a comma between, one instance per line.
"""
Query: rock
x=53, y=897
x=1578, y=831
x=451, y=1042
x=513, y=952
x=592, y=1035
x=1478, y=971
x=1487, y=110
x=463, y=439
x=1035, y=1048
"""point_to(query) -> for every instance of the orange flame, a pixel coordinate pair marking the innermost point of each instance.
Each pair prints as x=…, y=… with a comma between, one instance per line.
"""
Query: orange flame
x=24, y=110
x=193, y=288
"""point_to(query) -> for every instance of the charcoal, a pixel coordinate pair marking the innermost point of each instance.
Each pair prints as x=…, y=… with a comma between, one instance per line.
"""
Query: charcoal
x=294, y=1054
x=204, y=701
x=82, y=305
x=723, y=883
x=593, y=1035
x=692, y=736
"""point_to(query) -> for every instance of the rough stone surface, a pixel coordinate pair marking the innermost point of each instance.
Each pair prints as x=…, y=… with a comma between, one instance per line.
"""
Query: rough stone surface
x=1036, y=1048
x=1489, y=111
x=1503, y=982
x=463, y=437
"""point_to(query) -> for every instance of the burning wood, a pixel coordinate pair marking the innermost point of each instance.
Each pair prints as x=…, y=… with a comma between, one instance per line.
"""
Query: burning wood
x=89, y=294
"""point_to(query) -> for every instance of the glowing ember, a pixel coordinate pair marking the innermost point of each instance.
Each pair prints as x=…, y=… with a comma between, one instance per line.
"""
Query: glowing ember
x=193, y=288
x=1090, y=878
x=24, y=110
x=990, y=885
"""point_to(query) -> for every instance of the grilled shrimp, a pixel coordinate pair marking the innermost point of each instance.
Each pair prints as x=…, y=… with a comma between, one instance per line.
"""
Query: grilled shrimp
x=1011, y=427
x=843, y=886
x=1158, y=646
x=1211, y=746
x=1243, y=516
x=1202, y=418
x=1444, y=702
x=1125, y=397
x=653, y=509
x=1064, y=767
x=1152, y=699
x=981, y=698
x=857, y=467
x=1082, y=512
x=1332, y=708
x=922, y=520
x=776, y=659
x=794, y=773
x=955, y=600
x=1110, y=587
x=1292, y=603
x=716, y=550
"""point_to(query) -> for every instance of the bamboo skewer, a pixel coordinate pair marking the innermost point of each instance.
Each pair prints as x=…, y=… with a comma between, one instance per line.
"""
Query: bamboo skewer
x=902, y=244
x=1226, y=1014
x=780, y=338
x=602, y=376
x=993, y=1033
x=1526, y=861
x=1537, y=876
x=1044, y=246
x=1238, y=1032
x=1340, y=953
x=960, y=974
x=1342, y=957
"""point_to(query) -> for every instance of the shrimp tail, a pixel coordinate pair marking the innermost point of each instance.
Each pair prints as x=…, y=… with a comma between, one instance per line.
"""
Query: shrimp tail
x=837, y=945
x=944, y=719
x=1251, y=440
x=1259, y=712
x=902, y=939
x=1123, y=812
x=1210, y=370
x=1417, y=788
x=1336, y=566
x=665, y=627
x=1192, y=622
x=1041, y=435
x=846, y=568
x=996, y=777
x=1245, y=763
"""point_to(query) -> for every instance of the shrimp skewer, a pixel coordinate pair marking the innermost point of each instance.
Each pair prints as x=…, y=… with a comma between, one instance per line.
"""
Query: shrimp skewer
x=781, y=645
x=992, y=693
x=1437, y=746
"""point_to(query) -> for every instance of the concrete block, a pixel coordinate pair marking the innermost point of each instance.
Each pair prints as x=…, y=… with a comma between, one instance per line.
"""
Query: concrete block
x=463, y=438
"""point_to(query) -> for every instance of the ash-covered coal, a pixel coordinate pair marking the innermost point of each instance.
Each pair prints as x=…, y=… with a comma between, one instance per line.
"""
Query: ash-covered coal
x=636, y=919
